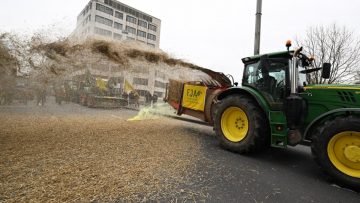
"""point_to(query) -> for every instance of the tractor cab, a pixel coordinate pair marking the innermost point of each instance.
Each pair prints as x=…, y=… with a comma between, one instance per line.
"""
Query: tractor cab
x=276, y=75
x=268, y=74
x=281, y=79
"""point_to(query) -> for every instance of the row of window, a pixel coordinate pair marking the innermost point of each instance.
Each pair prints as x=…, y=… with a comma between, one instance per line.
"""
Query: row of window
x=140, y=33
x=103, y=32
x=152, y=27
x=107, y=33
x=108, y=22
x=116, y=36
x=142, y=23
x=159, y=94
x=144, y=81
x=103, y=20
x=104, y=9
x=129, y=18
x=140, y=81
x=87, y=20
x=151, y=37
x=159, y=74
x=160, y=84
x=117, y=25
x=126, y=9
x=109, y=11
x=86, y=10
x=144, y=92
x=118, y=15
x=131, y=30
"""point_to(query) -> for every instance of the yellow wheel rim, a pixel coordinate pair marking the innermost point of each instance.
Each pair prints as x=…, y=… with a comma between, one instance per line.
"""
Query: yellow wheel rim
x=234, y=124
x=344, y=152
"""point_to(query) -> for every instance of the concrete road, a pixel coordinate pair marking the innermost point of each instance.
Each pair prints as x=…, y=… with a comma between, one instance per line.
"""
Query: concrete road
x=51, y=108
x=279, y=175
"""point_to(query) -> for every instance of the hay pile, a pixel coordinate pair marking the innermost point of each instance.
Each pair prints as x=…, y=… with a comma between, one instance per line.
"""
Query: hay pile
x=81, y=159
x=174, y=93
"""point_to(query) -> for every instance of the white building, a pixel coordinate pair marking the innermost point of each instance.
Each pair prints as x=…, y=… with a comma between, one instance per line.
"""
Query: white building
x=113, y=19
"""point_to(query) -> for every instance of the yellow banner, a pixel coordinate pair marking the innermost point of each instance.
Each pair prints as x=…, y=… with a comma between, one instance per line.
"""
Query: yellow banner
x=194, y=97
x=101, y=83
x=128, y=87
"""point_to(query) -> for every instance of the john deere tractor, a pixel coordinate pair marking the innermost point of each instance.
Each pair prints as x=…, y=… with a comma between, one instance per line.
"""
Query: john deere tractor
x=275, y=106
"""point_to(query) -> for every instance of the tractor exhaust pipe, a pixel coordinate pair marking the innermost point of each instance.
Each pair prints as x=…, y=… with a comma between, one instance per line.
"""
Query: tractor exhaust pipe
x=294, y=74
x=295, y=106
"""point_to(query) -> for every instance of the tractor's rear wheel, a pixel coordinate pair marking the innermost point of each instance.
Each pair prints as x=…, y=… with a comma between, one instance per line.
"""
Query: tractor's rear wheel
x=240, y=125
x=336, y=148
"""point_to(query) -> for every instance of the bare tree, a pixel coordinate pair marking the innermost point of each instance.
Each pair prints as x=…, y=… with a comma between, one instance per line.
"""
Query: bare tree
x=358, y=78
x=336, y=45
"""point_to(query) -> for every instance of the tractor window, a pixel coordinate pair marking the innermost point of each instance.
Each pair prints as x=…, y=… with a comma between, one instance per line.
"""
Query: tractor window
x=269, y=79
x=302, y=77
x=251, y=74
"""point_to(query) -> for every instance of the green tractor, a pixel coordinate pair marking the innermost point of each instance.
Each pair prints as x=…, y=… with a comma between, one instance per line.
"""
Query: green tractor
x=275, y=106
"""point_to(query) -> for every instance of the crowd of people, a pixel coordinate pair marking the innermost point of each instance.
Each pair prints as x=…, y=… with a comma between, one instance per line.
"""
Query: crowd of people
x=22, y=94
x=133, y=99
x=38, y=94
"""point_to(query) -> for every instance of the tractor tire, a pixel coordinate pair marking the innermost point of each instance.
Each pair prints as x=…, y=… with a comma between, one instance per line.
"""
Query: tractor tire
x=336, y=148
x=240, y=125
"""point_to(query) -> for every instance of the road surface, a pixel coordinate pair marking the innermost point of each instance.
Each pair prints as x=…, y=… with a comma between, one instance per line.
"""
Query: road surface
x=215, y=175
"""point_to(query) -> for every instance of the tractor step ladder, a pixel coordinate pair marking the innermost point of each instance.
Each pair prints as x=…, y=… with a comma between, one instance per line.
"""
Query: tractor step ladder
x=278, y=129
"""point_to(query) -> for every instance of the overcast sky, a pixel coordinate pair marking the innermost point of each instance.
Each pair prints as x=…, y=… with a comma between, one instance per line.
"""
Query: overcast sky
x=210, y=33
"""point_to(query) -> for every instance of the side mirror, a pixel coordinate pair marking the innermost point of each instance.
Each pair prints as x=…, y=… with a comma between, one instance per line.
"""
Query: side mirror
x=326, y=70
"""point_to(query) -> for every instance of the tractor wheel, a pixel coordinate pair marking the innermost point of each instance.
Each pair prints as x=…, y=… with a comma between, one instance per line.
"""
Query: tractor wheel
x=336, y=148
x=240, y=125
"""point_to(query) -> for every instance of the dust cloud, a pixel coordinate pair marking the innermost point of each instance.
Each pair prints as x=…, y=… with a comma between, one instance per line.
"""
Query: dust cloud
x=39, y=57
x=65, y=151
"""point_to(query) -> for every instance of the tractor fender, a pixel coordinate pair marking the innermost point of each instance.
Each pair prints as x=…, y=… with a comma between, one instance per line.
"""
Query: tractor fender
x=326, y=115
x=256, y=96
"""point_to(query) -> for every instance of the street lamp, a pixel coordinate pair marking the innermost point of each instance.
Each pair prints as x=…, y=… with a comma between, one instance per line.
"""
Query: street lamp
x=257, y=27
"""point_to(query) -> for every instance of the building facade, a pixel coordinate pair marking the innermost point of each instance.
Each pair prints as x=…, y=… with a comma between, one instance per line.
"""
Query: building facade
x=115, y=20
x=143, y=77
